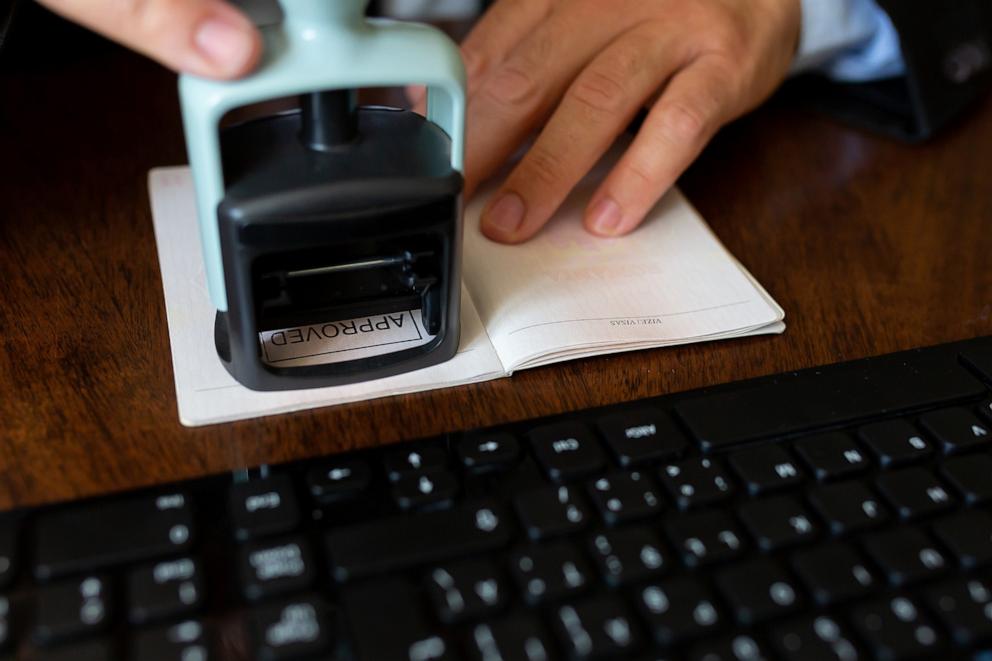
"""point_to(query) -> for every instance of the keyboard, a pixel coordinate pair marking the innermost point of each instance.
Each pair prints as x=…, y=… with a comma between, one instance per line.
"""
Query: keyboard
x=834, y=513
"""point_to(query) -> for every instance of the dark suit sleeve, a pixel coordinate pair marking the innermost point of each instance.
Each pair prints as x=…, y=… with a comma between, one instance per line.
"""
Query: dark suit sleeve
x=947, y=48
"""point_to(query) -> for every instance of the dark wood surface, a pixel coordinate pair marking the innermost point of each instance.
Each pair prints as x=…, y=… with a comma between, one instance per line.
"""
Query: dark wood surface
x=870, y=246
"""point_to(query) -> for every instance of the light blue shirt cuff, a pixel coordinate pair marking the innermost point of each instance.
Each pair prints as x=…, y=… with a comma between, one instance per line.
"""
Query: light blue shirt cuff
x=848, y=40
x=431, y=10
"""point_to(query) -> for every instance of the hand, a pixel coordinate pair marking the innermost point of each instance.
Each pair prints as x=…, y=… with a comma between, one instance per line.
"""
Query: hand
x=203, y=37
x=583, y=69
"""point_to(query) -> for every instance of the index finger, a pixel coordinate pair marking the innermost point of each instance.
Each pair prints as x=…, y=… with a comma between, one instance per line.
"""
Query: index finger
x=503, y=26
x=203, y=37
x=522, y=91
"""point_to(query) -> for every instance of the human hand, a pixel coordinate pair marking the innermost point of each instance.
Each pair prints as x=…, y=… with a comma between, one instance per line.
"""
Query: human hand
x=584, y=68
x=203, y=37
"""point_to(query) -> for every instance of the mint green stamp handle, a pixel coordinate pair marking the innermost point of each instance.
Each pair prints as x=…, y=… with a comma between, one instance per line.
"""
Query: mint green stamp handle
x=321, y=45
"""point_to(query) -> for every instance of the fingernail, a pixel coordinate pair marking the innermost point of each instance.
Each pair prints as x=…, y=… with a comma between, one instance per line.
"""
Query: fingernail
x=225, y=43
x=605, y=216
x=506, y=214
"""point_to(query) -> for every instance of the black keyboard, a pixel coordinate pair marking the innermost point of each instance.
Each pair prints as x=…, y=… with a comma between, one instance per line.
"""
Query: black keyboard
x=835, y=513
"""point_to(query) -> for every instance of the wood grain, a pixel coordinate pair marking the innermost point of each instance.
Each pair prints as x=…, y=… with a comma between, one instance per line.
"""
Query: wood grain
x=870, y=246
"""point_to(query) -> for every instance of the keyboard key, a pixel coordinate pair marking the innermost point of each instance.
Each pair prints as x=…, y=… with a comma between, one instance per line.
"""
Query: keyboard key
x=597, y=627
x=641, y=436
x=833, y=573
x=164, y=590
x=964, y=606
x=405, y=541
x=832, y=456
x=91, y=537
x=272, y=567
x=338, y=481
x=86, y=650
x=968, y=536
x=263, y=507
x=678, y=609
x=487, y=451
x=792, y=403
x=979, y=358
x=896, y=629
x=705, y=538
x=625, y=497
x=758, y=590
x=777, y=522
x=813, y=638
x=628, y=555
x=467, y=590
x=848, y=507
x=567, y=450
x=914, y=492
x=971, y=477
x=403, y=462
x=905, y=555
x=72, y=608
x=296, y=628
x=895, y=442
x=429, y=488
x=986, y=409
x=957, y=429
x=5, y=619
x=696, y=482
x=388, y=622
x=765, y=469
x=549, y=572
x=552, y=511
x=737, y=648
x=185, y=641
x=519, y=636
x=8, y=546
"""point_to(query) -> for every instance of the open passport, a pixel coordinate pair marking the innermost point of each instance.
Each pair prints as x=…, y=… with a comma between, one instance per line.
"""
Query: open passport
x=565, y=294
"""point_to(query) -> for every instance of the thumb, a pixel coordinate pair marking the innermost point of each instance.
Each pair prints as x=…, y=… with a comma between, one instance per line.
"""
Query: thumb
x=203, y=37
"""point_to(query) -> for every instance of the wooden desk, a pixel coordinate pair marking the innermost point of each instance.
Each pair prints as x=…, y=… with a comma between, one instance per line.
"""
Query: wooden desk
x=869, y=245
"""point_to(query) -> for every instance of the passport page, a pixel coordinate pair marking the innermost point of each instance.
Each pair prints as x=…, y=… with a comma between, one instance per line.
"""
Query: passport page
x=566, y=293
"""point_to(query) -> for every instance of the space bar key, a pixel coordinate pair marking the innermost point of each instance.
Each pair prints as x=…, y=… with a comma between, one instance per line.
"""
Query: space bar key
x=405, y=541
